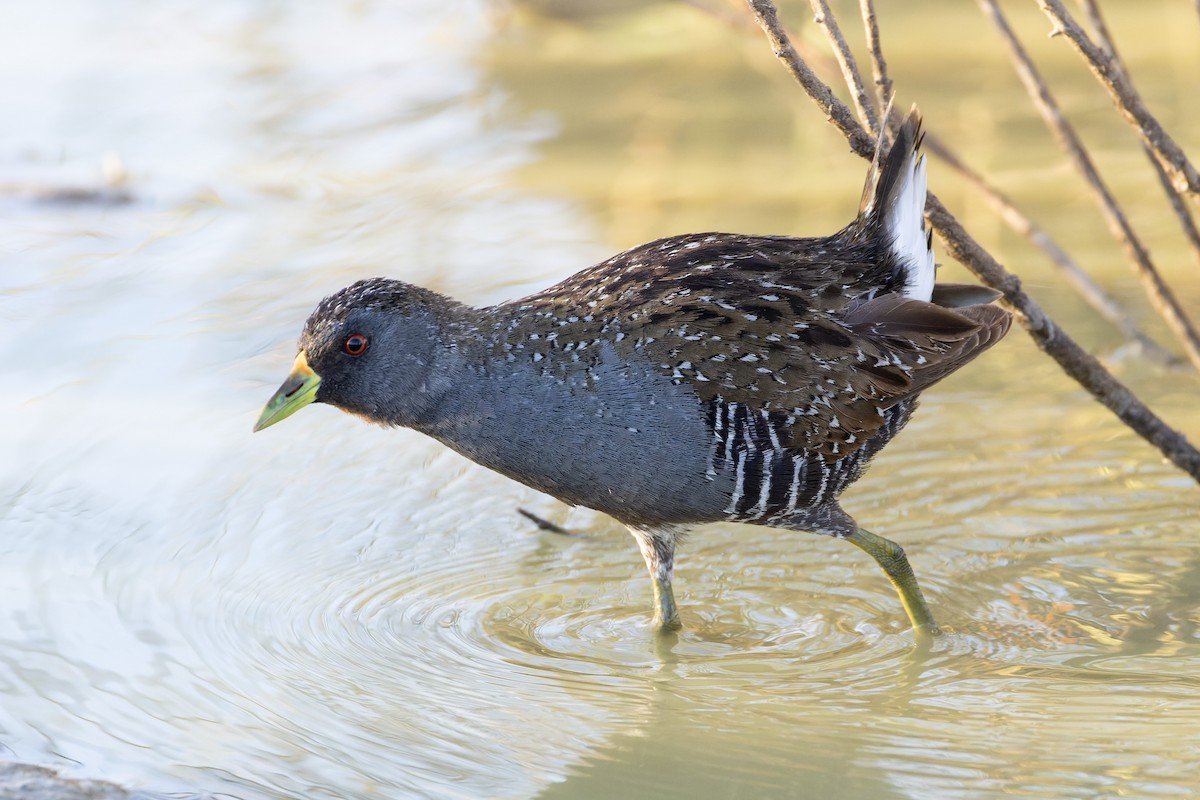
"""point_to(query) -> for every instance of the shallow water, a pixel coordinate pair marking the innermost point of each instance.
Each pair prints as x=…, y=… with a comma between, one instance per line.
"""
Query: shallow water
x=328, y=609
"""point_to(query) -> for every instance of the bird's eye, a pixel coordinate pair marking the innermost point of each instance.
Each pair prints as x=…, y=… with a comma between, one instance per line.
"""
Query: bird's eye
x=355, y=344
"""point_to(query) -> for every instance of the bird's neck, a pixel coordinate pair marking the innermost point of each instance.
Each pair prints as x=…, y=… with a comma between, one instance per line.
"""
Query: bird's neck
x=468, y=366
x=494, y=403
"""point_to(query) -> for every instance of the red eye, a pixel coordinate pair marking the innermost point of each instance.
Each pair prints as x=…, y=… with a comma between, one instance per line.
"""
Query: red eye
x=355, y=344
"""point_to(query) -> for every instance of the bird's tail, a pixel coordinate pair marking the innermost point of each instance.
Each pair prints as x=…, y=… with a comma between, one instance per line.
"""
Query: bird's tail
x=893, y=203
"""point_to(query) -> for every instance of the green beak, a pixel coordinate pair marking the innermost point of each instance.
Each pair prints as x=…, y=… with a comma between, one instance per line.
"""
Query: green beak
x=297, y=391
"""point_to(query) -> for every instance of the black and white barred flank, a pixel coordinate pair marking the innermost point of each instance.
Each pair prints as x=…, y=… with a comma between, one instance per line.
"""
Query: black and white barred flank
x=773, y=482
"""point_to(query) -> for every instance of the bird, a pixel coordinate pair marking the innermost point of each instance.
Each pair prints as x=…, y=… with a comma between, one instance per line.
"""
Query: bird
x=698, y=378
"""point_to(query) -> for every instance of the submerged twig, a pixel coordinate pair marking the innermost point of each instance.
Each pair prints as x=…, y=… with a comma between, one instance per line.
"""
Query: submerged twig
x=1183, y=175
x=1159, y=292
x=958, y=243
x=547, y=525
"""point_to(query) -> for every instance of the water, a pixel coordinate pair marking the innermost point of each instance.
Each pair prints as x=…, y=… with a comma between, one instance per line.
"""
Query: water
x=328, y=609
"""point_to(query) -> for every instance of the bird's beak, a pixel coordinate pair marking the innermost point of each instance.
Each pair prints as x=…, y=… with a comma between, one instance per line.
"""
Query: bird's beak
x=297, y=391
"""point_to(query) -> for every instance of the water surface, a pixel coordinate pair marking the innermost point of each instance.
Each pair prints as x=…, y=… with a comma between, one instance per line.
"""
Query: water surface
x=331, y=610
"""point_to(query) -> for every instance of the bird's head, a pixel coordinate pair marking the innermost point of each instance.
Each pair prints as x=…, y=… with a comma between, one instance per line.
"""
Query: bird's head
x=369, y=350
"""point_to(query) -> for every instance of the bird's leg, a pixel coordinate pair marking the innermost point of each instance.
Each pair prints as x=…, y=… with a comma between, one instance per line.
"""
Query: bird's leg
x=666, y=614
x=658, y=548
x=890, y=556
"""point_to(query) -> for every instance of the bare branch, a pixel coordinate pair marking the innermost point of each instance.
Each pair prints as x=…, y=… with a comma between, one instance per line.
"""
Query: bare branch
x=1087, y=287
x=959, y=244
x=858, y=92
x=1183, y=175
x=1099, y=27
x=1055, y=342
x=883, y=83
x=1157, y=289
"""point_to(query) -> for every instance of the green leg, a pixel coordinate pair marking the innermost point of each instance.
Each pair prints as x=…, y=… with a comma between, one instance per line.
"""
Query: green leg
x=890, y=557
x=658, y=548
x=666, y=614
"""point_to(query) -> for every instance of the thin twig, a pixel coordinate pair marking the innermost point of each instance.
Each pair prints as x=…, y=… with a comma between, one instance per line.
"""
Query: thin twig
x=1100, y=29
x=883, y=83
x=1182, y=212
x=748, y=22
x=1183, y=175
x=854, y=82
x=730, y=18
x=1157, y=289
x=835, y=110
x=958, y=243
x=1087, y=287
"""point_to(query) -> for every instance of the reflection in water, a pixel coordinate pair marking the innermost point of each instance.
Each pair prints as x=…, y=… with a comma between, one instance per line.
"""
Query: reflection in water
x=340, y=611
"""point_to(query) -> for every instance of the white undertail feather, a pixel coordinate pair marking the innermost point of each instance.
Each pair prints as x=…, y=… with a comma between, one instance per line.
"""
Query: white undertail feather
x=905, y=224
x=895, y=197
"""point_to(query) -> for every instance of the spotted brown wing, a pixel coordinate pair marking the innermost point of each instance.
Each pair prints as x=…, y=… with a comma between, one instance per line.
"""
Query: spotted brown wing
x=828, y=378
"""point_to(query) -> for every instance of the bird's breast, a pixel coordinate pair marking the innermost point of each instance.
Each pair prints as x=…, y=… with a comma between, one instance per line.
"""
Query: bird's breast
x=618, y=436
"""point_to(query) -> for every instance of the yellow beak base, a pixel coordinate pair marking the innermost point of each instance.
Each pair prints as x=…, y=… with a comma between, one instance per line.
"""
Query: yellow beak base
x=297, y=391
